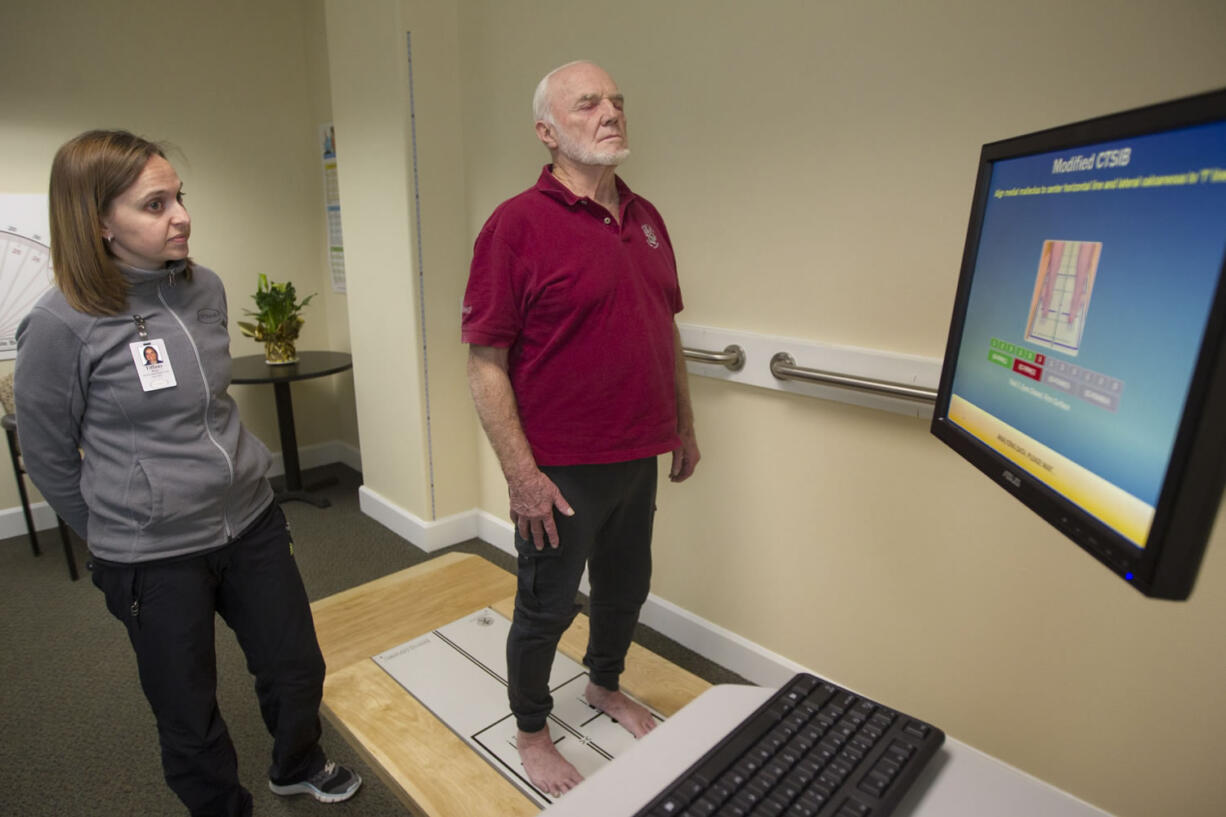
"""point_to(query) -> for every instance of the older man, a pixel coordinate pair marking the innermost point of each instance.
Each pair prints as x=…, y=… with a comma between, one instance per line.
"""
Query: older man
x=576, y=370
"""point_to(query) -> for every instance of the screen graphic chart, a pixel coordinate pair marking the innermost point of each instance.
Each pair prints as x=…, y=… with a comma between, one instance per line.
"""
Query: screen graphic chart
x=1062, y=294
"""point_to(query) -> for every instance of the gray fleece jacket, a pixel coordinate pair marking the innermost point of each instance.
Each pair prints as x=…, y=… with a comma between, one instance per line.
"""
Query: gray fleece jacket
x=140, y=474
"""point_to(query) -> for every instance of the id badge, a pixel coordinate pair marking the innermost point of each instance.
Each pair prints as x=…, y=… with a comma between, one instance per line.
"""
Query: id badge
x=153, y=364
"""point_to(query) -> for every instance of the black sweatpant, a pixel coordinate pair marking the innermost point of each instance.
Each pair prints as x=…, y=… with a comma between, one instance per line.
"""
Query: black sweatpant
x=168, y=609
x=610, y=532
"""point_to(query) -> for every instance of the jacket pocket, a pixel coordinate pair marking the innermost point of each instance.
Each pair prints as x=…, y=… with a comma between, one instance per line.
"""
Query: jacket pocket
x=178, y=491
x=138, y=496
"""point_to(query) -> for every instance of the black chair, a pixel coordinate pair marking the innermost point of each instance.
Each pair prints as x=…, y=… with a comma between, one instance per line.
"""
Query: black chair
x=9, y=421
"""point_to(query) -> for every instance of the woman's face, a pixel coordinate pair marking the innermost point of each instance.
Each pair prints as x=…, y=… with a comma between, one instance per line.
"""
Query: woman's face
x=147, y=224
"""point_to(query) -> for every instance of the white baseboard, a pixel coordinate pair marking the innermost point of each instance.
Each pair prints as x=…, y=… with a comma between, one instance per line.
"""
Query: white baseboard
x=13, y=522
x=426, y=535
x=724, y=647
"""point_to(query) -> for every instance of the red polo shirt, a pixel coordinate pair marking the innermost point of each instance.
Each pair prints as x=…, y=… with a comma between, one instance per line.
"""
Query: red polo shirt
x=585, y=305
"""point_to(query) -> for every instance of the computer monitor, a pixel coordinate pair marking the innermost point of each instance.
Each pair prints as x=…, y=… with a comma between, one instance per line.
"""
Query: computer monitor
x=1086, y=365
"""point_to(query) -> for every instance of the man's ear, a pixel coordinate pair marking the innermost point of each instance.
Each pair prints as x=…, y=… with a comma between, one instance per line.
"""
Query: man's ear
x=544, y=132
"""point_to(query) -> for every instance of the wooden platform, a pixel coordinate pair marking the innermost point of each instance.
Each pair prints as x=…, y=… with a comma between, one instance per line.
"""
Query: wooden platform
x=432, y=770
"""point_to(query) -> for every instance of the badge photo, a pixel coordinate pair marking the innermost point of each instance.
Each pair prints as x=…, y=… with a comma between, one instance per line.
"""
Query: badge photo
x=152, y=364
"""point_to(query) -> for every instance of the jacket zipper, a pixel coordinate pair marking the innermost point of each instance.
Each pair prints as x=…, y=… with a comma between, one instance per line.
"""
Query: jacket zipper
x=208, y=401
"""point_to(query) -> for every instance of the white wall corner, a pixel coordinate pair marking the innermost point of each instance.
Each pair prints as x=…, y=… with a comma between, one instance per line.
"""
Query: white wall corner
x=426, y=535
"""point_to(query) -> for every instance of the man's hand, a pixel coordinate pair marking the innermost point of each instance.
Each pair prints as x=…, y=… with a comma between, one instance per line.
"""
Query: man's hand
x=533, y=498
x=533, y=495
x=685, y=457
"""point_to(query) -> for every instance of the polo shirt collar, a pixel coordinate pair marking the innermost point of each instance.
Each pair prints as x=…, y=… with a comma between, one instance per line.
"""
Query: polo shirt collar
x=550, y=186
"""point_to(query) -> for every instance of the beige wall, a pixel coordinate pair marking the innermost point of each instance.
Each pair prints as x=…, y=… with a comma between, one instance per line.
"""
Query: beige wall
x=815, y=163
x=239, y=88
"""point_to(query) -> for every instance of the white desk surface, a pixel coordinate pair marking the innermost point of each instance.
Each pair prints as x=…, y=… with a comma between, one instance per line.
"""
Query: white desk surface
x=960, y=781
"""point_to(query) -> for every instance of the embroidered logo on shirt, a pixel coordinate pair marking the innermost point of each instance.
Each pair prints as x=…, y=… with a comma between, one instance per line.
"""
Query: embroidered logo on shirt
x=652, y=241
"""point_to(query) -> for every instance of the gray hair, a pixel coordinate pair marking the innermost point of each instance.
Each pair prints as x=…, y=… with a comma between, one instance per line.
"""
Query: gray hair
x=542, y=110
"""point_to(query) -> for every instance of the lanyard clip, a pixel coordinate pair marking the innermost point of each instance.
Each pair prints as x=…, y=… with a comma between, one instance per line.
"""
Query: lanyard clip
x=140, y=327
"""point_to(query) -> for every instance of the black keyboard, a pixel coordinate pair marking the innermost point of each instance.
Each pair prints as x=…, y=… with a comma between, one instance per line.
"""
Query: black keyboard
x=813, y=750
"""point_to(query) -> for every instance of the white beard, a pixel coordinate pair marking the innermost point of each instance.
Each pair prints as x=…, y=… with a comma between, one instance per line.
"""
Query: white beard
x=585, y=156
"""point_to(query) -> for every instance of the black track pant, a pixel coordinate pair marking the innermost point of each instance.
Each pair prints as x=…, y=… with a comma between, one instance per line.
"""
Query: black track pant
x=168, y=609
x=611, y=533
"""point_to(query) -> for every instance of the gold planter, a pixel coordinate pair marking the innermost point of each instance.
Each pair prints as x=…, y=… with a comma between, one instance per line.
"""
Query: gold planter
x=280, y=352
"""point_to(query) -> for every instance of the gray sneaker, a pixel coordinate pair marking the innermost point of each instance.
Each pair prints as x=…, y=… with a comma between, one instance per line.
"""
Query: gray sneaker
x=331, y=784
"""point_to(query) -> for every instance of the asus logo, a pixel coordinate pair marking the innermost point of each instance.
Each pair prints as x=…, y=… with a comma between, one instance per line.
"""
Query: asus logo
x=1011, y=479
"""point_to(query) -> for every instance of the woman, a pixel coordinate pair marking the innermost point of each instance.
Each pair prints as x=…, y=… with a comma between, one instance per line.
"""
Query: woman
x=153, y=467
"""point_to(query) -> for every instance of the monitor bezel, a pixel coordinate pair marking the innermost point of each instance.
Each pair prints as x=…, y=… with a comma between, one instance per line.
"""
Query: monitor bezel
x=1192, y=488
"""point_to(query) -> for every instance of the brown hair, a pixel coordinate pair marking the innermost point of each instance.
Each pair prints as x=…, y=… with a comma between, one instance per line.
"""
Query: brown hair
x=87, y=174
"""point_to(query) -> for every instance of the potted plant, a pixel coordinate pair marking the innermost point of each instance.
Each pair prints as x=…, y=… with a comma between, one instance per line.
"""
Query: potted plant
x=276, y=320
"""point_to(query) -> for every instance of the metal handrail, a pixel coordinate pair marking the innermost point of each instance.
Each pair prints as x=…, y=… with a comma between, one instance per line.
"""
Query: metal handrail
x=783, y=366
x=733, y=356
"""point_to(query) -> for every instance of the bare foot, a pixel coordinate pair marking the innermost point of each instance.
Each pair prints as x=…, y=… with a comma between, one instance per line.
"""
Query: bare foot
x=632, y=715
x=544, y=764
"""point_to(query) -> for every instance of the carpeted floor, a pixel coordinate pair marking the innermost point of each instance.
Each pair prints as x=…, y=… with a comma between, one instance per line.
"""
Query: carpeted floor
x=76, y=736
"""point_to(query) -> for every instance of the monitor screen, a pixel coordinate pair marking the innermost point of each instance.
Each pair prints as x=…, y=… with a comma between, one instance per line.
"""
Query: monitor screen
x=1085, y=369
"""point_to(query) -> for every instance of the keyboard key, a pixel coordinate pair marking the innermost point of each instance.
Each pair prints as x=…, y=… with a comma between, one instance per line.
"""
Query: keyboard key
x=775, y=740
x=853, y=808
x=803, y=809
x=689, y=789
x=744, y=799
x=829, y=780
x=718, y=793
x=729, y=783
x=768, y=808
x=670, y=807
x=875, y=783
x=852, y=755
x=900, y=751
x=796, y=721
x=846, y=700
x=777, y=712
x=803, y=681
x=814, y=798
x=789, y=789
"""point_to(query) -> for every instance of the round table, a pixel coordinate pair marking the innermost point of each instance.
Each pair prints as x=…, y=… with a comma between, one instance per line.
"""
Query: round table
x=254, y=370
